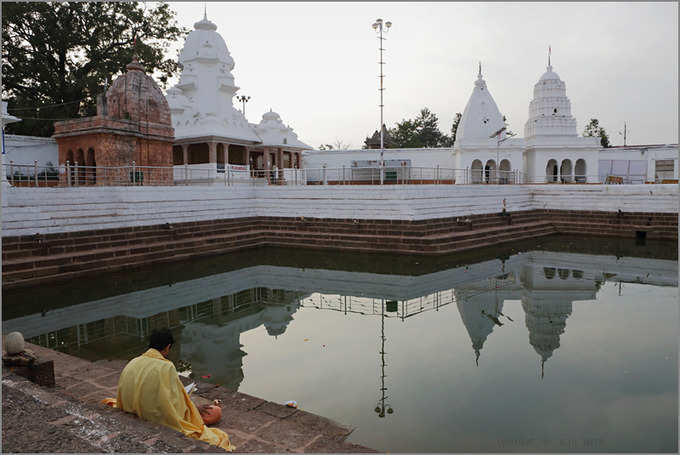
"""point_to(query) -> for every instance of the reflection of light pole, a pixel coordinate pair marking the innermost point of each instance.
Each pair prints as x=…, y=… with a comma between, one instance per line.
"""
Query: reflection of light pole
x=380, y=406
x=497, y=135
x=243, y=99
x=378, y=27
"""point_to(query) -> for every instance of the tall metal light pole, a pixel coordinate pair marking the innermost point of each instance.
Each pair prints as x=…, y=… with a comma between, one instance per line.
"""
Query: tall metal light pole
x=243, y=99
x=378, y=27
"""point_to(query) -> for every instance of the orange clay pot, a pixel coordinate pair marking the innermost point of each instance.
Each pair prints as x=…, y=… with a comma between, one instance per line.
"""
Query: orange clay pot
x=212, y=415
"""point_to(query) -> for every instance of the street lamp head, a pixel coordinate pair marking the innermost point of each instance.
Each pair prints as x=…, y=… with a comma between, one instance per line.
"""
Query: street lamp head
x=378, y=21
x=388, y=24
x=375, y=25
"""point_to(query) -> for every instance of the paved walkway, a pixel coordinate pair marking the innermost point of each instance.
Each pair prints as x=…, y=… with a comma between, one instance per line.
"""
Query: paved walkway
x=72, y=413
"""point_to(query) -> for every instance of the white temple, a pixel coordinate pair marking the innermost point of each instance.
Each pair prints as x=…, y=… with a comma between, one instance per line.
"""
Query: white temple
x=551, y=150
x=210, y=133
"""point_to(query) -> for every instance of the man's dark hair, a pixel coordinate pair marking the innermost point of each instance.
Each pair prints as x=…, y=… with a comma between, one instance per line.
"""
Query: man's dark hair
x=159, y=339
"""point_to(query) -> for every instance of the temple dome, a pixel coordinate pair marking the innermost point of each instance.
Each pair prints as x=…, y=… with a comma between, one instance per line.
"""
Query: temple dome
x=206, y=44
x=274, y=133
x=549, y=74
x=481, y=117
x=550, y=110
x=135, y=96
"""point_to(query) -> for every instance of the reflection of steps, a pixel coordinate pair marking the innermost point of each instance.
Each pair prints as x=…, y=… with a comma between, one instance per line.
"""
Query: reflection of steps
x=656, y=225
x=30, y=259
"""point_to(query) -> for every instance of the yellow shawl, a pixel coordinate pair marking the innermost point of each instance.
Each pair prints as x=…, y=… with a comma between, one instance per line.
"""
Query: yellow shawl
x=150, y=387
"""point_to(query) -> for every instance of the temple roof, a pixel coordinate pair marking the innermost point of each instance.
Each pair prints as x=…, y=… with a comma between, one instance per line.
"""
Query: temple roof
x=481, y=117
x=274, y=133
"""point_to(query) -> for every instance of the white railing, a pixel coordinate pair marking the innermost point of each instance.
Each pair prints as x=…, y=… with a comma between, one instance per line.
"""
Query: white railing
x=75, y=175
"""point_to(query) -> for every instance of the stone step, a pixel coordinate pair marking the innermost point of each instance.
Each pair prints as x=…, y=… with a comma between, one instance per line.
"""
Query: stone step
x=84, y=243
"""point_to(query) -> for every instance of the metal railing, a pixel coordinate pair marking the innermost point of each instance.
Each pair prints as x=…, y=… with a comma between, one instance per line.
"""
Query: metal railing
x=76, y=175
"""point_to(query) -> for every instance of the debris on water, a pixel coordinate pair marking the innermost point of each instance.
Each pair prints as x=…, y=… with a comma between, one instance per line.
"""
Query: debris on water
x=292, y=404
x=306, y=339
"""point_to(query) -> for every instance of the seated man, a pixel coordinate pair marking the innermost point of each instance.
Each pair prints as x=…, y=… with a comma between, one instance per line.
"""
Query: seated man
x=150, y=387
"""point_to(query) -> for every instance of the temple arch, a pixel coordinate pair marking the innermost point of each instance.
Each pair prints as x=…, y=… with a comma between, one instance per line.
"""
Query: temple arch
x=505, y=174
x=551, y=171
x=490, y=171
x=80, y=170
x=91, y=167
x=565, y=171
x=476, y=172
x=580, y=171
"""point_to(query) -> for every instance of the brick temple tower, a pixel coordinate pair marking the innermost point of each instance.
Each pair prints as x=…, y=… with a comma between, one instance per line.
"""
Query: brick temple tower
x=132, y=124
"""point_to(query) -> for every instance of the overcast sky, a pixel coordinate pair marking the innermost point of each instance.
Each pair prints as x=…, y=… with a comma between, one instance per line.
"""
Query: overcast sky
x=316, y=63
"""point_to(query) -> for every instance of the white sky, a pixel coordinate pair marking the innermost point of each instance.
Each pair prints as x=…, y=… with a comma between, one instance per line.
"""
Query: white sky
x=316, y=63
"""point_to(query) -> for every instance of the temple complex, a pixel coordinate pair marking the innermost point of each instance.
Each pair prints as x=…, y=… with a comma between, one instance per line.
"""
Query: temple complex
x=551, y=150
x=210, y=132
x=132, y=125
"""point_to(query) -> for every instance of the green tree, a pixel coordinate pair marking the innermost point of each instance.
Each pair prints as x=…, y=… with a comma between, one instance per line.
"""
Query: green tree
x=593, y=129
x=448, y=141
x=60, y=56
x=423, y=131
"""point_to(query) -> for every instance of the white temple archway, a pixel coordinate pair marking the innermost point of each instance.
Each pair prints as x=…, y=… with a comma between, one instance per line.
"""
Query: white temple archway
x=490, y=172
x=580, y=171
x=551, y=171
x=476, y=172
x=504, y=172
x=566, y=171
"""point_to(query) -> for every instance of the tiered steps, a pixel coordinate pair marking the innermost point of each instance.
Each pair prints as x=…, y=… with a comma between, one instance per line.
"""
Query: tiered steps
x=31, y=259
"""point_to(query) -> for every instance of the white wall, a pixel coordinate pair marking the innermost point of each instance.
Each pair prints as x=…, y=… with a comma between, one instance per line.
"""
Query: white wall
x=29, y=211
x=26, y=149
x=609, y=198
x=651, y=154
x=420, y=157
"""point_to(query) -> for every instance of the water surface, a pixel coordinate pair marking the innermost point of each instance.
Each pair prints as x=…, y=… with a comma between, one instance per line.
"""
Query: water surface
x=564, y=344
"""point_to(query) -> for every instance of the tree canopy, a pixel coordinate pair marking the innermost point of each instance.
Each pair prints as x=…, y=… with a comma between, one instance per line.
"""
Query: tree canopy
x=58, y=56
x=593, y=129
x=422, y=131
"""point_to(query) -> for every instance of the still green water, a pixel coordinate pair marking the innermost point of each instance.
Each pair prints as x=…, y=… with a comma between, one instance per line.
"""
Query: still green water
x=563, y=344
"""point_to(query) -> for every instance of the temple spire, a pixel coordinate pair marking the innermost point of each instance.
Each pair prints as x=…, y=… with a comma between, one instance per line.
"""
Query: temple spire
x=479, y=75
x=549, y=52
x=205, y=11
x=542, y=368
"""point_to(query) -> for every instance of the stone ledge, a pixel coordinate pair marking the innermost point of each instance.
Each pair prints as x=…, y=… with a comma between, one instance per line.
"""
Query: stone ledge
x=253, y=424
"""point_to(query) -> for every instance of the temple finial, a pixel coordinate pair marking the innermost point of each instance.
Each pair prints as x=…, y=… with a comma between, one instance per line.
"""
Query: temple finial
x=549, y=52
x=479, y=75
x=205, y=11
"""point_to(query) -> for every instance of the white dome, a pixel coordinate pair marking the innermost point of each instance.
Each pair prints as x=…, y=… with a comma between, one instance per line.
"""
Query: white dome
x=205, y=43
x=481, y=117
x=550, y=110
x=274, y=133
x=549, y=74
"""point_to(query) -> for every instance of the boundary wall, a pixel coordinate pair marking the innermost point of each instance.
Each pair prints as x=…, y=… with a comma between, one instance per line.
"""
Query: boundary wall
x=29, y=211
x=61, y=233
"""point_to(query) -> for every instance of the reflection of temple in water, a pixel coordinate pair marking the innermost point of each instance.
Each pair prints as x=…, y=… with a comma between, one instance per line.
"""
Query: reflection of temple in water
x=208, y=314
x=206, y=333
x=480, y=305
